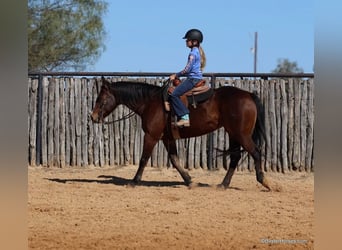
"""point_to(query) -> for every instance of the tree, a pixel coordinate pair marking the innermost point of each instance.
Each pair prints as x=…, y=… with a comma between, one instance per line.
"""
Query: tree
x=285, y=66
x=64, y=34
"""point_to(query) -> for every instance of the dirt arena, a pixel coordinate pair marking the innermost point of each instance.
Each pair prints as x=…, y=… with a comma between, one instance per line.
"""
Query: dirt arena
x=93, y=208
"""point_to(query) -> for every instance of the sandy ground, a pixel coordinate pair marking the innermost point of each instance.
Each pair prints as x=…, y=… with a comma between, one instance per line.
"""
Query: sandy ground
x=94, y=208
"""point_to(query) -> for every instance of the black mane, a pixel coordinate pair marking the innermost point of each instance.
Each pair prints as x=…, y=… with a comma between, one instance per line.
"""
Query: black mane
x=133, y=93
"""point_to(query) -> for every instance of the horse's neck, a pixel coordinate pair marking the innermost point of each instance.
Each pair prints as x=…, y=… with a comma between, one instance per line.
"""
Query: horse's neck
x=132, y=97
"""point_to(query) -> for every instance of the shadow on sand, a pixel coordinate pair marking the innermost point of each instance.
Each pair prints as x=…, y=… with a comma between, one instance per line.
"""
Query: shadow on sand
x=120, y=181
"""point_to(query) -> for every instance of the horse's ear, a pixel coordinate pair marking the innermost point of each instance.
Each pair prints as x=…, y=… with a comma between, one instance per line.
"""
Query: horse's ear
x=105, y=83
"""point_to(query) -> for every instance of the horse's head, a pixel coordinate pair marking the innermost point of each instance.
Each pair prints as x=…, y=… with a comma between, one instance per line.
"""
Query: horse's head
x=105, y=103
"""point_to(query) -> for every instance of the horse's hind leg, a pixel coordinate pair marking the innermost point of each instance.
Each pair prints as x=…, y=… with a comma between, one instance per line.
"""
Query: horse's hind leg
x=171, y=147
x=235, y=156
x=251, y=148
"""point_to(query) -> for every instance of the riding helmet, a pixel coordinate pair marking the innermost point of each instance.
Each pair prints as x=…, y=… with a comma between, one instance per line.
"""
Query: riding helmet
x=194, y=34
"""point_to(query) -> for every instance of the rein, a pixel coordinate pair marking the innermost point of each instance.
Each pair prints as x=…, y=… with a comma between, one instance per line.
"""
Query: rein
x=129, y=115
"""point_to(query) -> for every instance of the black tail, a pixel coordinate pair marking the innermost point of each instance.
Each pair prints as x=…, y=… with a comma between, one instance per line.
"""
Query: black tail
x=259, y=136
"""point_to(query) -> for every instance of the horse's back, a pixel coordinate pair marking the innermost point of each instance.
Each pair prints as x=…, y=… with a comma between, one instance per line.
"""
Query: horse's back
x=231, y=94
x=231, y=90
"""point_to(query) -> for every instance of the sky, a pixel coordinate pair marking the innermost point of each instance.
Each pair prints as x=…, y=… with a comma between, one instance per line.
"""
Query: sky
x=146, y=36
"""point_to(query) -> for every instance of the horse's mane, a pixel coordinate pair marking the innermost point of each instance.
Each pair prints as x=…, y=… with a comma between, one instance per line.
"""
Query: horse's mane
x=134, y=92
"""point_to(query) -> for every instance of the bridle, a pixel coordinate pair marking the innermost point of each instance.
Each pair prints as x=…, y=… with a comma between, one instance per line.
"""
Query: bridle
x=130, y=114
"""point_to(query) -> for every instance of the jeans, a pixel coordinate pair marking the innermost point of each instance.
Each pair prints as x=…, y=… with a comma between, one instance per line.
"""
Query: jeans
x=177, y=105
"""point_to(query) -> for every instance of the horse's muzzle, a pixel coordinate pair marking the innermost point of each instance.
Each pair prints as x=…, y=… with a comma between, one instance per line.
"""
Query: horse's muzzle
x=95, y=117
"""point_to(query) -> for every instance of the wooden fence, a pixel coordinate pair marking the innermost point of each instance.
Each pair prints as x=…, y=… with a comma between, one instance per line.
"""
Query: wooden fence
x=69, y=138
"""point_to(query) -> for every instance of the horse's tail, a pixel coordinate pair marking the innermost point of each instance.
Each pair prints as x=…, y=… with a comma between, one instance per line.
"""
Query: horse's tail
x=259, y=136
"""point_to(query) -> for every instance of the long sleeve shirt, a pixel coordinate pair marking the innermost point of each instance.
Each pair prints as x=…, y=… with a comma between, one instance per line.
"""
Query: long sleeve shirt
x=193, y=66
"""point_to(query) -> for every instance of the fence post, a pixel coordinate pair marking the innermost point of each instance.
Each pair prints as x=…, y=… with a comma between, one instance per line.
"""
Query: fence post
x=39, y=120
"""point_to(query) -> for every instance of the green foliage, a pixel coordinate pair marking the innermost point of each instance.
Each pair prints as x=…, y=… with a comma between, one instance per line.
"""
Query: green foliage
x=285, y=66
x=64, y=34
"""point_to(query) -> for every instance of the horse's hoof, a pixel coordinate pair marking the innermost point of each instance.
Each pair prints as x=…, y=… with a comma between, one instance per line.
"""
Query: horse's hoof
x=221, y=187
x=192, y=185
x=266, y=184
x=131, y=184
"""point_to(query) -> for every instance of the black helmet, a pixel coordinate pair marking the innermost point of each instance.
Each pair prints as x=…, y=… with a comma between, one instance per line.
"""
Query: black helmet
x=194, y=34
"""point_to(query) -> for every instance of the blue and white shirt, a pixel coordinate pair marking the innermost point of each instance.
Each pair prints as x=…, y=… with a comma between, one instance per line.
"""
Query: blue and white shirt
x=193, y=67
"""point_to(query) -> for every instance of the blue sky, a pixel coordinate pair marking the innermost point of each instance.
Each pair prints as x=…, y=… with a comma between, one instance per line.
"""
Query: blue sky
x=146, y=36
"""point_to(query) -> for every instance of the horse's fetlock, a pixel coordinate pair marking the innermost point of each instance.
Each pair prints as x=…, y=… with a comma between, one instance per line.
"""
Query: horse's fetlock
x=260, y=177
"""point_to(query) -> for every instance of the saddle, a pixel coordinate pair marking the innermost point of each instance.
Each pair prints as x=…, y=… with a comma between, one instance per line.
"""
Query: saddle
x=199, y=93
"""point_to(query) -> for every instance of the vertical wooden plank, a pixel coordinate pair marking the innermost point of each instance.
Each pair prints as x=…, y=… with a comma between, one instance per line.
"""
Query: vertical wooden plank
x=84, y=121
x=296, y=127
x=162, y=160
x=284, y=126
x=100, y=141
x=303, y=123
x=91, y=103
x=241, y=164
x=117, y=138
x=181, y=146
x=165, y=157
x=56, y=122
x=72, y=123
x=197, y=159
x=137, y=136
x=45, y=106
x=111, y=142
x=250, y=86
x=126, y=126
x=278, y=125
x=290, y=122
x=50, y=125
x=105, y=140
x=160, y=154
x=32, y=90
x=62, y=123
x=268, y=157
x=121, y=133
x=225, y=159
x=133, y=128
x=104, y=151
x=273, y=125
x=214, y=154
x=204, y=154
x=310, y=126
x=190, y=153
x=257, y=89
x=67, y=122
x=96, y=128
x=78, y=127
x=263, y=101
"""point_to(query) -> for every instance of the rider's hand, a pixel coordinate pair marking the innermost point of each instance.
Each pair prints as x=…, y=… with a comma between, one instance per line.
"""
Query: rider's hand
x=172, y=77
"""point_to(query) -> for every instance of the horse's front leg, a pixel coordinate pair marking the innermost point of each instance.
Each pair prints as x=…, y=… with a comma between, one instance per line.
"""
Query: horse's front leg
x=171, y=147
x=148, y=146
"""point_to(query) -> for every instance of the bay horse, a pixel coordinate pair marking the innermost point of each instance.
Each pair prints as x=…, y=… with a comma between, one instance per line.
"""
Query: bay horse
x=238, y=111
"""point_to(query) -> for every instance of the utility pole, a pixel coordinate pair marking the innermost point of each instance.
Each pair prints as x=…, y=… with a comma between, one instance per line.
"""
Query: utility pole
x=255, y=51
